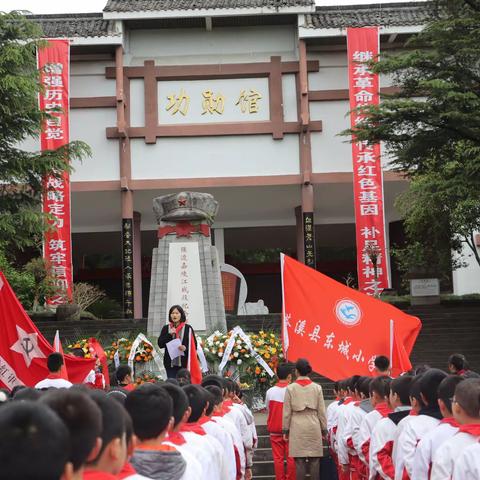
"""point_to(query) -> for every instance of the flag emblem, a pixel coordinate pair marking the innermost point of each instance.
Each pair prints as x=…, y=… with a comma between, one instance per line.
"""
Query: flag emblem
x=348, y=312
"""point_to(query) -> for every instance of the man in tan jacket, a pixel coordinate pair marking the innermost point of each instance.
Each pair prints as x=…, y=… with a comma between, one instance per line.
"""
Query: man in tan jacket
x=304, y=421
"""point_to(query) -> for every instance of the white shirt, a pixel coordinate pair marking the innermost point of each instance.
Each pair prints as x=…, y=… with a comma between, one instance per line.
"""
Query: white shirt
x=467, y=466
x=427, y=447
x=53, y=383
x=383, y=433
x=446, y=455
x=413, y=432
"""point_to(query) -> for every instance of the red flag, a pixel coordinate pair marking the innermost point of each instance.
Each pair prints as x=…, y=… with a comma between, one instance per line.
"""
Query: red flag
x=57, y=346
x=193, y=364
x=338, y=329
x=24, y=350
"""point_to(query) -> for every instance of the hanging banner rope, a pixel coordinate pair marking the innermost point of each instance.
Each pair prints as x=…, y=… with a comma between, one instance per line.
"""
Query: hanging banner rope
x=237, y=331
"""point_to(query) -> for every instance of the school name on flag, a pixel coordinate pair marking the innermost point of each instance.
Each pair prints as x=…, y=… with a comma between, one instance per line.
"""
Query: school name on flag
x=363, y=47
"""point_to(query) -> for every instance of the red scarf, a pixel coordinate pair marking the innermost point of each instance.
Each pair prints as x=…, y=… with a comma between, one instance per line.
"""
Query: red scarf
x=98, y=475
x=347, y=400
x=282, y=384
x=176, y=438
x=303, y=382
x=450, y=421
x=203, y=420
x=177, y=329
x=127, y=471
x=470, y=428
x=54, y=376
x=193, y=427
x=383, y=409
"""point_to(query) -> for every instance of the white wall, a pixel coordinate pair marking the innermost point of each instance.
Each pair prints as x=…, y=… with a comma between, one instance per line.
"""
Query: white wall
x=87, y=79
x=467, y=280
x=205, y=157
x=221, y=45
x=89, y=125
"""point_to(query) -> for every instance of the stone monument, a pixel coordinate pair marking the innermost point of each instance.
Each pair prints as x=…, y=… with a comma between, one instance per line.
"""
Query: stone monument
x=185, y=265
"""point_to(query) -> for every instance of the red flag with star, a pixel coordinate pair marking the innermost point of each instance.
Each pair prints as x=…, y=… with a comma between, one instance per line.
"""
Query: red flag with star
x=24, y=350
x=338, y=329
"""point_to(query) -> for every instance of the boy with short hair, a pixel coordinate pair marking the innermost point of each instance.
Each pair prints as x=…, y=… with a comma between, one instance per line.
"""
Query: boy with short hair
x=151, y=410
x=113, y=452
x=427, y=419
x=466, y=411
x=34, y=443
x=54, y=379
x=379, y=391
x=83, y=418
x=184, y=377
x=274, y=403
x=447, y=427
x=382, y=366
x=381, y=445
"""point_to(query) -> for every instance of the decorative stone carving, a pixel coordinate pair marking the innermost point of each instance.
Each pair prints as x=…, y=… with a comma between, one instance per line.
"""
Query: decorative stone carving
x=185, y=266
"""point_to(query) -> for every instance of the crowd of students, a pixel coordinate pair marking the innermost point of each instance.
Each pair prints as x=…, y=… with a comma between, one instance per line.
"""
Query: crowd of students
x=169, y=431
x=422, y=425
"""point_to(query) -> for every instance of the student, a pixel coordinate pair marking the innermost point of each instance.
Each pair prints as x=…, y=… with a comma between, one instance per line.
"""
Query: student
x=197, y=438
x=214, y=397
x=54, y=379
x=458, y=365
x=181, y=413
x=214, y=385
x=123, y=374
x=113, y=453
x=34, y=443
x=381, y=444
x=416, y=403
x=466, y=411
x=184, y=377
x=83, y=419
x=128, y=471
x=427, y=419
x=274, y=404
x=447, y=427
x=467, y=466
x=344, y=427
x=382, y=366
x=332, y=423
x=379, y=391
x=151, y=410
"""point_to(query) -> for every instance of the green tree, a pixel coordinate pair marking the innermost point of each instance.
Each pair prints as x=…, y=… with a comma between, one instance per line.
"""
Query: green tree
x=21, y=219
x=431, y=128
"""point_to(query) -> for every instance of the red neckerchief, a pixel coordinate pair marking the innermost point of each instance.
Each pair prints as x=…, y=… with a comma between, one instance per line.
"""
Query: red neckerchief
x=471, y=428
x=127, y=471
x=156, y=448
x=177, y=329
x=413, y=413
x=193, y=427
x=227, y=404
x=461, y=372
x=54, y=376
x=450, y=421
x=303, y=382
x=282, y=384
x=203, y=420
x=347, y=400
x=98, y=475
x=357, y=403
x=176, y=438
x=383, y=409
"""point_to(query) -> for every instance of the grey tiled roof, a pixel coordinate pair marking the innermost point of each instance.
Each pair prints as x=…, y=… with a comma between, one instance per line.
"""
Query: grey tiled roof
x=165, y=5
x=387, y=14
x=75, y=25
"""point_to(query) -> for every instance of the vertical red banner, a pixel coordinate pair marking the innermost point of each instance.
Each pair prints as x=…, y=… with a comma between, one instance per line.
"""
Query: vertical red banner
x=363, y=46
x=54, y=64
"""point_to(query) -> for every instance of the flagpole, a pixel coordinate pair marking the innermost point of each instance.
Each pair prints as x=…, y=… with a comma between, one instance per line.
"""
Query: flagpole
x=392, y=326
x=284, y=326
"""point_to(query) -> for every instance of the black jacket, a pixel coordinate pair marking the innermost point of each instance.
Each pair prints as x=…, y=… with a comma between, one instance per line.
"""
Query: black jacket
x=165, y=337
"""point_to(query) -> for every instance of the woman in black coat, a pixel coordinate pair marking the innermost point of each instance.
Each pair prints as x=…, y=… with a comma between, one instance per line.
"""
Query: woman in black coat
x=177, y=327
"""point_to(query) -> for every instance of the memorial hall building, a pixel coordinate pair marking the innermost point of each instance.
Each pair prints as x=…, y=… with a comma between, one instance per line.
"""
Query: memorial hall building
x=242, y=99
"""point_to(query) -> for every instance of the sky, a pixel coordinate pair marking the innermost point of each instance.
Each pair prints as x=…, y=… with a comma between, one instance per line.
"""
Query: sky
x=77, y=6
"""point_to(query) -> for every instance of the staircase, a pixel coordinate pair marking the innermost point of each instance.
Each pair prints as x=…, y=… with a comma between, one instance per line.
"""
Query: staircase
x=263, y=459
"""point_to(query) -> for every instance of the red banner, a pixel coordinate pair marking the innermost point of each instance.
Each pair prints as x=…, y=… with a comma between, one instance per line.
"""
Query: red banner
x=24, y=350
x=53, y=63
x=363, y=46
x=338, y=329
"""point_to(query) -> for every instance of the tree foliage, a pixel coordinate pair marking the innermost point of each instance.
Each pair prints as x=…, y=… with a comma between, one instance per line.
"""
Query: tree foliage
x=431, y=129
x=21, y=219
